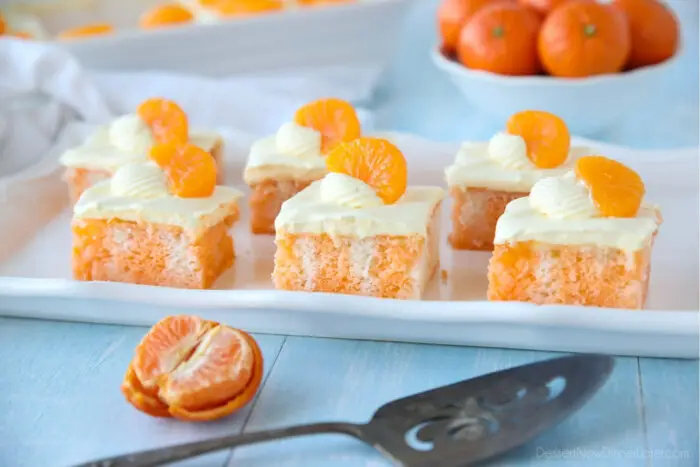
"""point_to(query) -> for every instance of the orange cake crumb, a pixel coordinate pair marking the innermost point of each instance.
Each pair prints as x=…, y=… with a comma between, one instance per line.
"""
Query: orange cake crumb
x=573, y=275
x=266, y=200
x=475, y=212
x=150, y=254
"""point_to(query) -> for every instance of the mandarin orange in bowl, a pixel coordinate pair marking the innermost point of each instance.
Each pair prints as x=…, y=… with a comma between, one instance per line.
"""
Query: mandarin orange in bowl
x=193, y=369
x=587, y=61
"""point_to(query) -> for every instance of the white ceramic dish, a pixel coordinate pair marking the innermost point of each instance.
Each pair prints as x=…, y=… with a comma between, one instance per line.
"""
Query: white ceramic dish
x=35, y=275
x=589, y=106
x=360, y=35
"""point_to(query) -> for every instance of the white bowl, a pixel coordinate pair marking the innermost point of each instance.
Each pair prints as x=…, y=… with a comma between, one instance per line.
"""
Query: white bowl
x=588, y=105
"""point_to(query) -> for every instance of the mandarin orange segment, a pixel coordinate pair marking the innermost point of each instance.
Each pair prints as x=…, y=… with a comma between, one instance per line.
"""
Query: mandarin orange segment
x=616, y=189
x=165, y=15
x=191, y=170
x=335, y=119
x=3, y=27
x=88, y=30
x=140, y=398
x=246, y=7
x=165, y=346
x=167, y=121
x=546, y=136
x=217, y=372
x=376, y=162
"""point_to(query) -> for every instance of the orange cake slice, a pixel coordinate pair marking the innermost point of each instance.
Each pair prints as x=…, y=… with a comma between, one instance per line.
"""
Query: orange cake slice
x=161, y=222
x=129, y=139
x=583, y=238
x=360, y=230
x=281, y=165
x=486, y=176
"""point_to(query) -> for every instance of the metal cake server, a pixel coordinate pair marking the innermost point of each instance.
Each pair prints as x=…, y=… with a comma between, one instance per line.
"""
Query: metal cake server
x=451, y=426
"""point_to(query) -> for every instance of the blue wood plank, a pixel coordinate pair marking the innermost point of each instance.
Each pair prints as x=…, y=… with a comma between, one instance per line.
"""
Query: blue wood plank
x=323, y=379
x=60, y=399
x=670, y=390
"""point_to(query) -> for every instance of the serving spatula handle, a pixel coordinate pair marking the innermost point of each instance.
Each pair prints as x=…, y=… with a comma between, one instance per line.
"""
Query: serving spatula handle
x=183, y=451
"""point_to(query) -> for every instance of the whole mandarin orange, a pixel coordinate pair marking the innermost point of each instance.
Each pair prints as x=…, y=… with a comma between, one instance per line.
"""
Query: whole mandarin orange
x=452, y=15
x=543, y=7
x=501, y=38
x=584, y=38
x=655, y=31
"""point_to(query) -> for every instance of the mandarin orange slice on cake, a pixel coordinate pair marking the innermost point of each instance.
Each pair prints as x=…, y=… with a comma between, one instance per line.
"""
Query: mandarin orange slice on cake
x=546, y=136
x=88, y=30
x=616, y=189
x=191, y=170
x=192, y=369
x=335, y=119
x=165, y=15
x=246, y=7
x=167, y=121
x=376, y=162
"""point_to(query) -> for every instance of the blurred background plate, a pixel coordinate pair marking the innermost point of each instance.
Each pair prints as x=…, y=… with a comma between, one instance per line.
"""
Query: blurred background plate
x=357, y=35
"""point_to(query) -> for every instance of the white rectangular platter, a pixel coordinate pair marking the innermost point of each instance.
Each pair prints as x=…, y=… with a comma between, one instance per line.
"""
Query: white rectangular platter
x=359, y=35
x=35, y=273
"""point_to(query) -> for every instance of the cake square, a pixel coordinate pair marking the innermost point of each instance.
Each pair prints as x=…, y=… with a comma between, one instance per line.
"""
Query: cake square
x=281, y=165
x=555, y=247
x=128, y=139
x=132, y=229
x=379, y=250
x=486, y=176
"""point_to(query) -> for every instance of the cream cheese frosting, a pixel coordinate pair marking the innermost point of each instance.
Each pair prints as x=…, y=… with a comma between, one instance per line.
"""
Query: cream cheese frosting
x=294, y=152
x=125, y=140
x=502, y=164
x=336, y=209
x=560, y=211
x=138, y=192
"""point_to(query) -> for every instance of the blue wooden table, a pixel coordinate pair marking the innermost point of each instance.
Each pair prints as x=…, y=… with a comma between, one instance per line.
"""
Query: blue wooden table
x=59, y=397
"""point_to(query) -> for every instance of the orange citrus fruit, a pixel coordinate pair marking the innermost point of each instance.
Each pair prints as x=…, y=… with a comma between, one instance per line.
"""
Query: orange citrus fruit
x=167, y=121
x=501, y=38
x=452, y=15
x=197, y=370
x=616, y=189
x=655, y=31
x=584, y=38
x=376, y=162
x=335, y=119
x=543, y=7
x=246, y=7
x=191, y=170
x=546, y=136
x=88, y=30
x=3, y=27
x=165, y=15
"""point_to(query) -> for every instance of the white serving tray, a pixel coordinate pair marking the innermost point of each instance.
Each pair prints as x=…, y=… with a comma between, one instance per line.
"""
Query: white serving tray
x=35, y=274
x=357, y=35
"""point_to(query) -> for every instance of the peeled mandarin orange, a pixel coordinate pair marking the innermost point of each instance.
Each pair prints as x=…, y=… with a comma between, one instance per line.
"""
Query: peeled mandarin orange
x=167, y=121
x=616, y=189
x=192, y=369
x=165, y=15
x=246, y=7
x=546, y=136
x=191, y=170
x=376, y=162
x=88, y=30
x=335, y=119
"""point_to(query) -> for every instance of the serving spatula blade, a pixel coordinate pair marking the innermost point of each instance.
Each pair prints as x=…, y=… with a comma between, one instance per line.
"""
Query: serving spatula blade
x=451, y=426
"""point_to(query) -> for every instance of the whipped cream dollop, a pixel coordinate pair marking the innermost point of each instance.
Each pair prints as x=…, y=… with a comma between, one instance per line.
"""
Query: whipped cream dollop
x=509, y=151
x=130, y=133
x=140, y=180
x=344, y=190
x=298, y=141
x=563, y=197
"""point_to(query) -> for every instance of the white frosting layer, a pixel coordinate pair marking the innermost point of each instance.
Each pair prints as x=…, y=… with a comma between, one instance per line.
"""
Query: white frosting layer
x=307, y=212
x=508, y=168
x=348, y=191
x=137, y=193
x=294, y=153
x=562, y=213
x=126, y=140
x=563, y=197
